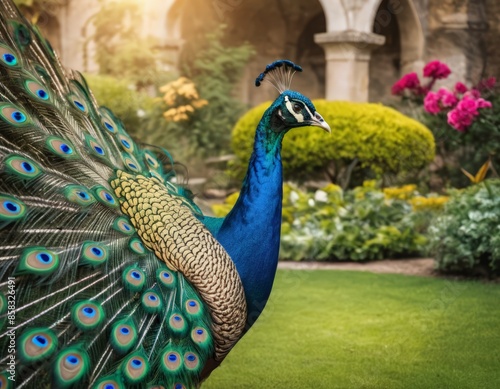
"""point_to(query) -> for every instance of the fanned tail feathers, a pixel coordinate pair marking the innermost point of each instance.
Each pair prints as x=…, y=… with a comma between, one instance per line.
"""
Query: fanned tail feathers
x=87, y=304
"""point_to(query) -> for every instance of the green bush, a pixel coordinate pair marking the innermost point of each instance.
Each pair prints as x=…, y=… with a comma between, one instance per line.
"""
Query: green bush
x=216, y=69
x=466, y=237
x=141, y=114
x=119, y=95
x=357, y=225
x=380, y=138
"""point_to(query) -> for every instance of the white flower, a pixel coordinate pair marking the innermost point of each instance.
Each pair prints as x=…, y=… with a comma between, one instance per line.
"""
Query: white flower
x=294, y=196
x=311, y=202
x=321, y=196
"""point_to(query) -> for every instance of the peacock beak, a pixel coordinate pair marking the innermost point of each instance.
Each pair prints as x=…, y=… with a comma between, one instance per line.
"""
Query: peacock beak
x=318, y=121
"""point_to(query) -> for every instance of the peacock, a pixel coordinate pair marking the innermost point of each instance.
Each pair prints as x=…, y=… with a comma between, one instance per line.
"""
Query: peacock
x=111, y=276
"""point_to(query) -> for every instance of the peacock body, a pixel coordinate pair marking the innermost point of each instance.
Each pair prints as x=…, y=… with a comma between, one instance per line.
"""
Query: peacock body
x=110, y=275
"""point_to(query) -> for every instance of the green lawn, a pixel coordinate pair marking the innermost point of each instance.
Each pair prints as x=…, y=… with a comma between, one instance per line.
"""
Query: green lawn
x=340, y=329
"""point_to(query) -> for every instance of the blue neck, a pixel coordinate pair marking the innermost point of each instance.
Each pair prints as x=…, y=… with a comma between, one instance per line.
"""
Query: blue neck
x=251, y=231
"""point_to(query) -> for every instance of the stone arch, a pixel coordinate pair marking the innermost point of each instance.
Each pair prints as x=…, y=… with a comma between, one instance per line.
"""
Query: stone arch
x=336, y=14
x=277, y=29
x=403, y=50
x=410, y=28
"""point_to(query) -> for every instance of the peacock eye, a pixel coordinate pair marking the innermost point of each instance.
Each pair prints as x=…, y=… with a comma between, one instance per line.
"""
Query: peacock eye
x=297, y=108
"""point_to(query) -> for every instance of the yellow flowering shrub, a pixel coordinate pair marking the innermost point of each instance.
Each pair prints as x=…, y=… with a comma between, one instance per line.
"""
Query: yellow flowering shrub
x=183, y=99
x=221, y=210
x=381, y=138
x=404, y=192
x=420, y=203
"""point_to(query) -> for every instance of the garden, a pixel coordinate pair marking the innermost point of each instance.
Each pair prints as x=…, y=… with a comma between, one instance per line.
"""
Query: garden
x=416, y=179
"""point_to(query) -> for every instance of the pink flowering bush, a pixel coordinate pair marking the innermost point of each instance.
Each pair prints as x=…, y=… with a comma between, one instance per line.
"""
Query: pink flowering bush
x=464, y=119
x=461, y=105
x=436, y=70
x=409, y=81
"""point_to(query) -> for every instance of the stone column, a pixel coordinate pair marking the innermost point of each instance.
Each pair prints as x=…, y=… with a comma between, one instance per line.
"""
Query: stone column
x=347, y=63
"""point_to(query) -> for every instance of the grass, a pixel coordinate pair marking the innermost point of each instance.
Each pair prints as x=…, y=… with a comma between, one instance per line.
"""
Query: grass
x=340, y=329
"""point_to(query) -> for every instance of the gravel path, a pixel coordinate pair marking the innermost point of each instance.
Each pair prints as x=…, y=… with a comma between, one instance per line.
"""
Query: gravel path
x=415, y=267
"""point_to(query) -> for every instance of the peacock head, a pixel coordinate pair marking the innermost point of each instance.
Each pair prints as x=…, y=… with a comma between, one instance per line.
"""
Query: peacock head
x=291, y=109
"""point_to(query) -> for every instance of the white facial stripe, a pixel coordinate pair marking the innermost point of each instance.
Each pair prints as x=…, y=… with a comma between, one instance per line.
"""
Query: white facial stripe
x=309, y=112
x=298, y=116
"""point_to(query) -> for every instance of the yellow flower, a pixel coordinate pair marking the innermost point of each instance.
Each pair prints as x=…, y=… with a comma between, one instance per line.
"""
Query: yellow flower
x=221, y=210
x=182, y=98
x=405, y=192
x=199, y=103
x=332, y=188
x=420, y=203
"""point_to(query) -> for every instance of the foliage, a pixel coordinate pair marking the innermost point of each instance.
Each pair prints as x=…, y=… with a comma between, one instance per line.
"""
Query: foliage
x=120, y=96
x=215, y=70
x=380, y=138
x=34, y=9
x=221, y=210
x=121, y=50
x=465, y=120
x=140, y=113
x=362, y=224
x=466, y=237
x=327, y=329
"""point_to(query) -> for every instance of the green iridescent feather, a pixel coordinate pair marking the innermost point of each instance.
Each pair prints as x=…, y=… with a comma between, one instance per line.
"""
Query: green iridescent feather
x=93, y=304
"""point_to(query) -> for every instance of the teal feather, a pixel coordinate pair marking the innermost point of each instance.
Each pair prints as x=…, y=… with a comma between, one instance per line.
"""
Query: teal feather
x=94, y=304
x=110, y=382
x=22, y=167
x=37, y=344
x=37, y=261
x=123, y=336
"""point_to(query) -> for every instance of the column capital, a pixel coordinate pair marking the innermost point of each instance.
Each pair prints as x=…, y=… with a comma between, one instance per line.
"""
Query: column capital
x=349, y=36
x=349, y=44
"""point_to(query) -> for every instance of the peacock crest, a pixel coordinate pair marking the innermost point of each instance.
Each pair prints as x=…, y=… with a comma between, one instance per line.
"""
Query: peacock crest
x=279, y=74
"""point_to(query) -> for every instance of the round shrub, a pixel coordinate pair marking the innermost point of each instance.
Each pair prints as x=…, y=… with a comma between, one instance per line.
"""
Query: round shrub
x=130, y=106
x=466, y=237
x=380, y=138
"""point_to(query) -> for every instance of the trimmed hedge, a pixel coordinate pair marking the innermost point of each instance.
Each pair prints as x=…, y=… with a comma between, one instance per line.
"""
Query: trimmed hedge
x=381, y=138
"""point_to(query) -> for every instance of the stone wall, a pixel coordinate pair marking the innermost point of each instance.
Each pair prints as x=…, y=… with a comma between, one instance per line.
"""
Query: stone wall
x=492, y=38
x=385, y=63
x=464, y=33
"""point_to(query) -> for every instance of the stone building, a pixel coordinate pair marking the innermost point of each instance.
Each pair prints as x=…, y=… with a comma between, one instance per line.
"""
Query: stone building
x=349, y=49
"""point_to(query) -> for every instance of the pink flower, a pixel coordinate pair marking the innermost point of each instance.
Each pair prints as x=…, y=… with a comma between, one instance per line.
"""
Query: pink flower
x=397, y=88
x=474, y=93
x=435, y=102
x=447, y=98
x=466, y=111
x=408, y=81
x=431, y=103
x=482, y=103
x=468, y=104
x=460, y=88
x=460, y=120
x=436, y=70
